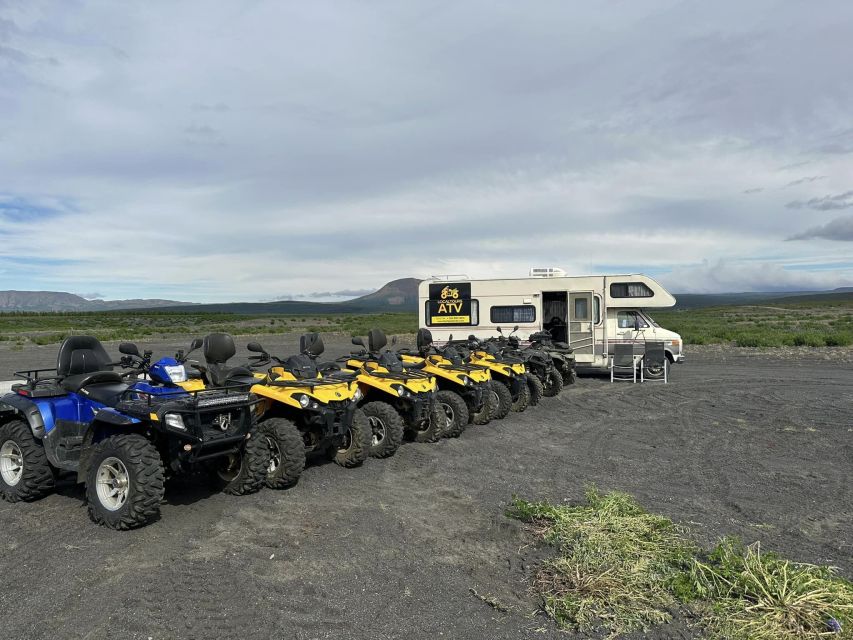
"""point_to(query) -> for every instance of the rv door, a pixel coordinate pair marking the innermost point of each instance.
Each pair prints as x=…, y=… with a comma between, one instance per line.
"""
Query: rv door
x=581, y=322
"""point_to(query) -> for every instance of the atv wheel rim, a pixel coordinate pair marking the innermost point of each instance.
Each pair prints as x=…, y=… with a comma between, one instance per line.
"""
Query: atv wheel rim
x=449, y=415
x=230, y=469
x=496, y=398
x=113, y=484
x=275, y=455
x=346, y=443
x=11, y=463
x=378, y=429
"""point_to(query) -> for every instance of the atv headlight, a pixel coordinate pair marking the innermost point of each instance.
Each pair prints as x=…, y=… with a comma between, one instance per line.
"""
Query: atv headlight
x=358, y=395
x=175, y=420
x=304, y=401
x=177, y=373
x=469, y=382
x=402, y=391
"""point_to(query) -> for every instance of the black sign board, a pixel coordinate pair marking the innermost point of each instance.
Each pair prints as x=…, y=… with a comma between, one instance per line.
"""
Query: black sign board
x=450, y=303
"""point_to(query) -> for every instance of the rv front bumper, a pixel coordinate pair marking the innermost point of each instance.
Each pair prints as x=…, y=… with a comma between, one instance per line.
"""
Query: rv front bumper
x=679, y=359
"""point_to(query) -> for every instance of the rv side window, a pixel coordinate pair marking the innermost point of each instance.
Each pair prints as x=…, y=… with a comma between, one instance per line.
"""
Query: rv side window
x=506, y=315
x=625, y=320
x=596, y=310
x=581, y=309
x=452, y=315
x=630, y=290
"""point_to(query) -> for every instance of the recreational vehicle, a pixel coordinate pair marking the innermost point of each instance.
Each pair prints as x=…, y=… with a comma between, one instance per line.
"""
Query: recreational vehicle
x=591, y=313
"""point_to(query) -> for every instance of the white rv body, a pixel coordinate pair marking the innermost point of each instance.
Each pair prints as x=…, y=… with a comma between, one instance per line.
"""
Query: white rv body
x=591, y=313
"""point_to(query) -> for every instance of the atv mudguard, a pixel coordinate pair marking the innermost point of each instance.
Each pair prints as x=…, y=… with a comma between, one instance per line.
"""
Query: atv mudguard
x=26, y=408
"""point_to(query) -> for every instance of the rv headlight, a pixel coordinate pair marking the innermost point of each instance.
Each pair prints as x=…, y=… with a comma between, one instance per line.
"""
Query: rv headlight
x=304, y=401
x=177, y=373
x=175, y=420
x=358, y=395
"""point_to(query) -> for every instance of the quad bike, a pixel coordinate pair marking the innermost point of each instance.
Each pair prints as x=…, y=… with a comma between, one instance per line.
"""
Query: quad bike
x=545, y=379
x=122, y=438
x=509, y=375
x=399, y=397
x=561, y=353
x=464, y=390
x=300, y=412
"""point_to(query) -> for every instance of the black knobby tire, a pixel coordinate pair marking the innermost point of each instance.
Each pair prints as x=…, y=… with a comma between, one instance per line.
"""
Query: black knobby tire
x=537, y=389
x=569, y=377
x=138, y=458
x=489, y=410
x=433, y=429
x=455, y=412
x=35, y=477
x=386, y=429
x=286, y=451
x=354, y=449
x=245, y=472
x=523, y=399
x=504, y=398
x=553, y=384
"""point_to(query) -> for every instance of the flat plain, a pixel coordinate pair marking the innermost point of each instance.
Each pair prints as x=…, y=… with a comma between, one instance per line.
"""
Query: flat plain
x=741, y=442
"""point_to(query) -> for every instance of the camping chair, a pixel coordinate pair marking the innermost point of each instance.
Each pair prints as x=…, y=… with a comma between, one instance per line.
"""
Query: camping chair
x=654, y=362
x=623, y=366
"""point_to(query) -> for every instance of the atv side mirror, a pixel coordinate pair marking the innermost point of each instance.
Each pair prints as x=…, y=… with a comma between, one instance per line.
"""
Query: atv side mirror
x=358, y=341
x=128, y=349
x=515, y=328
x=393, y=340
x=500, y=331
x=196, y=344
x=255, y=347
x=450, y=338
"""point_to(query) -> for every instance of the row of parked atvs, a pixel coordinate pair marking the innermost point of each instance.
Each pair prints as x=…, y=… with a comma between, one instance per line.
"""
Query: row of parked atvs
x=124, y=427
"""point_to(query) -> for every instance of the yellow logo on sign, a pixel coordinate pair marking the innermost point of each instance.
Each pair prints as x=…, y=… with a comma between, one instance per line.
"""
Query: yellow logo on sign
x=447, y=292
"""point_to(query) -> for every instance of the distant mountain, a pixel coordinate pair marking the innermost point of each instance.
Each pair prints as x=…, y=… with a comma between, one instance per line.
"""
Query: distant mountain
x=700, y=300
x=400, y=295
x=61, y=301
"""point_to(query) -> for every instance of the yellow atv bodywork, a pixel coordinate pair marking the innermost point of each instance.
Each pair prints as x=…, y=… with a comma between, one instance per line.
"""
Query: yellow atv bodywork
x=484, y=359
x=364, y=368
x=440, y=367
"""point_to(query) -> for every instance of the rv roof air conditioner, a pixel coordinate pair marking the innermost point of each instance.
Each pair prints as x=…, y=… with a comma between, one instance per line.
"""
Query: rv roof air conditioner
x=547, y=272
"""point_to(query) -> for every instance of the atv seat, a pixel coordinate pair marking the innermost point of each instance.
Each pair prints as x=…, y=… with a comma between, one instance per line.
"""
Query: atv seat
x=107, y=394
x=83, y=361
x=218, y=348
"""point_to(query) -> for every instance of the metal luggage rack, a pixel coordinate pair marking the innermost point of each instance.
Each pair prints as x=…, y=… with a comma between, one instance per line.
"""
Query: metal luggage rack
x=305, y=382
x=187, y=401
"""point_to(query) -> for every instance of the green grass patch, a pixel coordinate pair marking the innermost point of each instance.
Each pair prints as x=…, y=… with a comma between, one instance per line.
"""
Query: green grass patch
x=620, y=569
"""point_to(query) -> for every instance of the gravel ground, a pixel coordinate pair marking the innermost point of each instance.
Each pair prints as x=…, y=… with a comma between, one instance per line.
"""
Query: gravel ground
x=759, y=447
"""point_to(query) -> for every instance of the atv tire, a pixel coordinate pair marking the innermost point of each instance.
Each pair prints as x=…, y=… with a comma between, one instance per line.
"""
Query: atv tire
x=25, y=473
x=537, y=389
x=504, y=399
x=244, y=473
x=523, y=400
x=489, y=410
x=124, y=482
x=287, y=452
x=569, y=377
x=354, y=449
x=434, y=427
x=386, y=429
x=553, y=384
x=455, y=412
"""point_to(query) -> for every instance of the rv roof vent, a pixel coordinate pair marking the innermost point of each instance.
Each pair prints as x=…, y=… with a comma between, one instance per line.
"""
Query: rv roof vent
x=547, y=272
x=450, y=276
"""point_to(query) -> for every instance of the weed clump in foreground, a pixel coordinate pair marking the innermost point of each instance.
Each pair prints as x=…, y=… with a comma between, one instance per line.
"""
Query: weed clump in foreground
x=621, y=569
x=618, y=566
x=752, y=595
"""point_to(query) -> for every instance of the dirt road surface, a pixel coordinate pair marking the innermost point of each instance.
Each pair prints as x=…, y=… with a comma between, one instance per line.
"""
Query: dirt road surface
x=760, y=447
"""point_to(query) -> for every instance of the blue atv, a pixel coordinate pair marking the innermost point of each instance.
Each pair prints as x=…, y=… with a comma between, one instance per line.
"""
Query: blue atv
x=123, y=437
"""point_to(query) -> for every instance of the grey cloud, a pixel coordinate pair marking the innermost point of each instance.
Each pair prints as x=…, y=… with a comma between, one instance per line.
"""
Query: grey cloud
x=840, y=229
x=200, y=130
x=804, y=180
x=826, y=203
x=753, y=190
x=794, y=165
x=218, y=107
x=835, y=148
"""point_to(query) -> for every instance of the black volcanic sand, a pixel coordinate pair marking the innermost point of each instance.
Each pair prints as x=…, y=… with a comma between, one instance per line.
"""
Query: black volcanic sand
x=757, y=447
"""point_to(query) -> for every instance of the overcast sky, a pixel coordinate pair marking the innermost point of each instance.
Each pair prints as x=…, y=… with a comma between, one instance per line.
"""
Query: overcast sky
x=246, y=150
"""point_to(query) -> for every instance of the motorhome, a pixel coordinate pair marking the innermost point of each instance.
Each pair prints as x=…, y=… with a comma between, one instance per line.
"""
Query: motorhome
x=591, y=313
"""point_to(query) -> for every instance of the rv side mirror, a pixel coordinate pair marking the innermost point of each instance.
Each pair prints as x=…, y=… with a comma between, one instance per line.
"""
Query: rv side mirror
x=128, y=349
x=255, y=347
x=358, y=341
x=636, y=323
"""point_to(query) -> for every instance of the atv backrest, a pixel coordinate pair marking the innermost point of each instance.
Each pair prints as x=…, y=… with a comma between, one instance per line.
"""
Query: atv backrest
x=81, y=354
x=376, y=340
x=424, y=339
x=218, y=348
x=311, y=344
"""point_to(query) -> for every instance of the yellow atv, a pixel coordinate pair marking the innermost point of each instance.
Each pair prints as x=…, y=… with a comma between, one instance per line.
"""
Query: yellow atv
x=300, y=412
x=399, y=398
x=464, y=390
x=509, y=375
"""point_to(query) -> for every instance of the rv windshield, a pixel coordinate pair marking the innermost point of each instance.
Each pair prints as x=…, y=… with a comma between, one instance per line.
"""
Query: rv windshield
x=651, y=320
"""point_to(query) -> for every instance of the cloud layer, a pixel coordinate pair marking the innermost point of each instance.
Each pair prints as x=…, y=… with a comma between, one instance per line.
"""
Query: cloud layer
x=215, y=152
